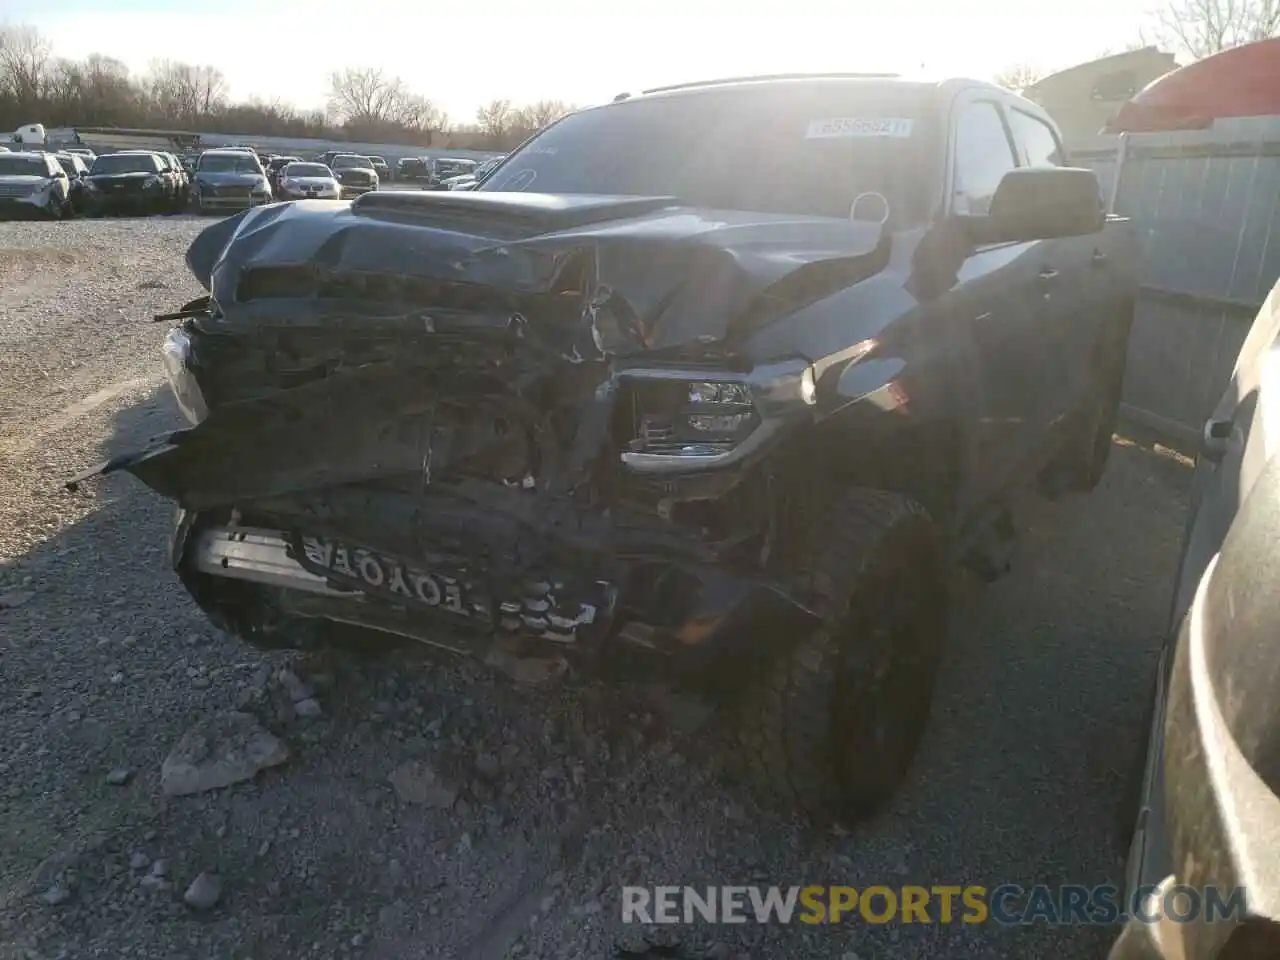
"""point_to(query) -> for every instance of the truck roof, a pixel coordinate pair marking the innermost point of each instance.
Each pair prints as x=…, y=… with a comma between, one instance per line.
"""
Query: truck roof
x=862, y=81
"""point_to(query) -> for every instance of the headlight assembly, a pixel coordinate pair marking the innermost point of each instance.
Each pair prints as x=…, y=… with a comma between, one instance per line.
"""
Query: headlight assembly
x=176, y=353
x=688, y=420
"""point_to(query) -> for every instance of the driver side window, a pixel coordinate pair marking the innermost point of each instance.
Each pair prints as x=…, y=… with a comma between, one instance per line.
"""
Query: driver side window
x=984, y=154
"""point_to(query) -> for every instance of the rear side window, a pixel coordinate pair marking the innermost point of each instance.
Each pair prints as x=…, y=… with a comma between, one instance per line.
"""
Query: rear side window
x=983, y=156
x=1036, y=141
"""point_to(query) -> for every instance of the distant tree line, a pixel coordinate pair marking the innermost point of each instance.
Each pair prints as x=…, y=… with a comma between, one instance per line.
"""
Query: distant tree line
x=1191, y=29
x=364, y=103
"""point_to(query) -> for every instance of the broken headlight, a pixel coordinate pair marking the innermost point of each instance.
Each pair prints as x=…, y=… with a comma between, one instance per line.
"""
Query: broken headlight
x=684, y=420
x=176, y=353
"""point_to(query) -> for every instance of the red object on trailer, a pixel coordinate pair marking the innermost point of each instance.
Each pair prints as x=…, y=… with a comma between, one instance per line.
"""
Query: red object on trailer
x=1241, y=82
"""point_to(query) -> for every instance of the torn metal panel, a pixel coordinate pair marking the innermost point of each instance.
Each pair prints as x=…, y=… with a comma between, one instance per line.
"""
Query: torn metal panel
x=644, y=274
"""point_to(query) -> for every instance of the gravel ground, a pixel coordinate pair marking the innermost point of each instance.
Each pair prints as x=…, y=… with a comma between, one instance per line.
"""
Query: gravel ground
x=514, y=815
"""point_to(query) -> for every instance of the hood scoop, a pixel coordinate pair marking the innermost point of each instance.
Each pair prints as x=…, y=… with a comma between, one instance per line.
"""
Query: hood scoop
x=507, y=216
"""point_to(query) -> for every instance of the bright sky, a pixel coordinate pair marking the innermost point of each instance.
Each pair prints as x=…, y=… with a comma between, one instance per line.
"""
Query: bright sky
x=581, y=51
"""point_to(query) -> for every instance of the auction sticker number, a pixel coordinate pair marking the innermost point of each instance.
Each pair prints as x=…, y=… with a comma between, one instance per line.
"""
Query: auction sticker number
x=859, y=127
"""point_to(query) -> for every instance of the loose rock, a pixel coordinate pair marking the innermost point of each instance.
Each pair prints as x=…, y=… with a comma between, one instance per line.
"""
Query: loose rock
x=55, y=895
x=119, y=776
x=531, y=671
x=223, y=750
x=308, y=707
x=294, y=686
x=416, y=782
x=204, y=892
x=14, y=598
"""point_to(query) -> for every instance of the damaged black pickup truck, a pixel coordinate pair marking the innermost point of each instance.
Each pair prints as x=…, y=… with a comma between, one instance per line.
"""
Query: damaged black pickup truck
x=710, y=382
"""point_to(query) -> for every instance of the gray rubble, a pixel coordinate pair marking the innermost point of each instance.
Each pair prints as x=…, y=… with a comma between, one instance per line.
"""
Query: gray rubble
x=219, y=751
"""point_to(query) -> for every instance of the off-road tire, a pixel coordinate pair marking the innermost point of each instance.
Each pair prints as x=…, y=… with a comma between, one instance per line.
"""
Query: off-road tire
x=830, y=731
x=1082, y=462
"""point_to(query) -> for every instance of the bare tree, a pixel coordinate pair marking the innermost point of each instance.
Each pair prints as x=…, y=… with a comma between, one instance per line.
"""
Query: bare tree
x=496, y=119
x=35, y=85
x=64, y=89
x=24, y=64
x=1018, y=77
x=1205, y=27
x=108, y=93
x=182, y=92
x=365, y=96
x=544, y=113
x=418, y=115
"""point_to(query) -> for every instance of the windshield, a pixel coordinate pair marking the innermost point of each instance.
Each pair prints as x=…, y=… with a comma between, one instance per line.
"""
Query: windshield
x=126, y=163
x=68, y=166
x=307, y=170
x=378, y=161
x=805, y=149
x=11, y=165
x=452, y=168
x=229, y=163
x=346, y=163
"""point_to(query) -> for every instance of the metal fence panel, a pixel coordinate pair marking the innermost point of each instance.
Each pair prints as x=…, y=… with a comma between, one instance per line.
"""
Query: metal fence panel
x=1204, y=204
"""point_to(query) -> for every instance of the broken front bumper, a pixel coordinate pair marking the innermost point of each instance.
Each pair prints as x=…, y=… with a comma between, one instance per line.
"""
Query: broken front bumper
x=672, y=619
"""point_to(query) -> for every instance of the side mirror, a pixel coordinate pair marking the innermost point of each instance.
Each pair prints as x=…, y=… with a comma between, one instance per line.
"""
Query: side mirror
x=1041, y=203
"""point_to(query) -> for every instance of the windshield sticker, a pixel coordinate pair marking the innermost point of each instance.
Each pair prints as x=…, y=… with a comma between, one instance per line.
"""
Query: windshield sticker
x=859, y=127
x=521, y=180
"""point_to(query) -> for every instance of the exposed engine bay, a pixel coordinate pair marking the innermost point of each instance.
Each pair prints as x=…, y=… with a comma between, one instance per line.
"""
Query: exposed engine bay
x=454, y=416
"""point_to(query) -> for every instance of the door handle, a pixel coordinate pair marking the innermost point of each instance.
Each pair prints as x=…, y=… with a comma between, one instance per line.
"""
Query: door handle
x=1098, y=258
x=1047, y=274
x=1215, y=439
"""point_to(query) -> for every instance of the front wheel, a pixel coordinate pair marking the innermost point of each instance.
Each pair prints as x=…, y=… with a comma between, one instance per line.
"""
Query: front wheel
x=833, y=728
x=1082, y=461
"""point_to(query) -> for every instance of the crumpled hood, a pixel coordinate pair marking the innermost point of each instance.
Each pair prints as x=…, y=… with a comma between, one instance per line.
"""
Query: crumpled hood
x=651, y=274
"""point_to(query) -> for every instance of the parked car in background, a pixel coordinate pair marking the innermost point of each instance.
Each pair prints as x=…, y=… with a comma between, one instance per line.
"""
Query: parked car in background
x=33, y=183
x=1205, y=790
x=383, y=170
x=77, y=170
x=128, y=182
x=84, y=153
x=730, y=440
x=275, y=165
x=301, y=180
x=444, y=168
x=355, y=173
x=174, y=177
x=413, y=169
x=184, y=181
x=229, y=180
x=468, y=181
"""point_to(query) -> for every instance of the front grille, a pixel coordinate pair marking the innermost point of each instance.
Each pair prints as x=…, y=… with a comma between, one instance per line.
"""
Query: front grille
x=15, y=189
x=229, y=193
x=355, y=177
